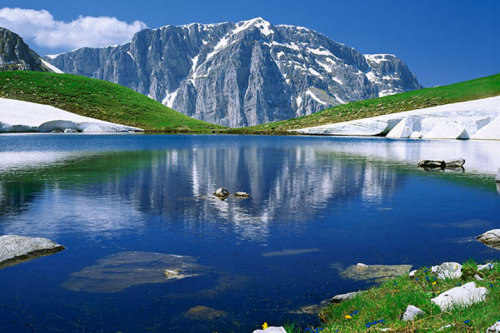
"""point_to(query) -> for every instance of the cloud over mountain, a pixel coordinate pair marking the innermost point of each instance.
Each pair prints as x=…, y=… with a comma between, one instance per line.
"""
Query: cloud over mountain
x=40, y=27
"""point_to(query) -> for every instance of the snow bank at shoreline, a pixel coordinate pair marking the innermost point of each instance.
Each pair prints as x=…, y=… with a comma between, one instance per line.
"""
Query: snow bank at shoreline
x=477, y=119
x=20, y=116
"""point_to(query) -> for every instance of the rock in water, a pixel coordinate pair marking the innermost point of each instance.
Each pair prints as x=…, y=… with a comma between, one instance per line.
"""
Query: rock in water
x=377, y=273
x=411, y=312
x=448, y=270
x=491, y=238
x=16, y=249
x=461, y=296
x=241, y=194
x=126, y=269
x=429, y=164
x=204, y=313
x=221, y=193
x=455, y=163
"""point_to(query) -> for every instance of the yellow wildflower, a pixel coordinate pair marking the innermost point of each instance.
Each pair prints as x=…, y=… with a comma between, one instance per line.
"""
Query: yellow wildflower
x=264, y=326
x=434, y=283
x=348, y=317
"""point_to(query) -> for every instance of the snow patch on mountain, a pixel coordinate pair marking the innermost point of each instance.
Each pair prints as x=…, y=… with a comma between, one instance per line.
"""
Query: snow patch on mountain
x=20, y=116
x=477, y=119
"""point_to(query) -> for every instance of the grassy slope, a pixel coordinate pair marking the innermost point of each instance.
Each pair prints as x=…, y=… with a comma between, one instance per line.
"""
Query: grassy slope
x=98, y=99
x=418, y=99
x=389, y=301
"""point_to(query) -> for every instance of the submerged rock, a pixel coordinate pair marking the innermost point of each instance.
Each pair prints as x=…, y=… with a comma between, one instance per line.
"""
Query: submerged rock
x=221, y=193
x=307, y=309
x=16, y=249
x=378, y=273
x=448, y=270
x=126, y=269
x=204, y=313
x=462, y=296
x=289, y=252
x=491, y=238
x=412, y=312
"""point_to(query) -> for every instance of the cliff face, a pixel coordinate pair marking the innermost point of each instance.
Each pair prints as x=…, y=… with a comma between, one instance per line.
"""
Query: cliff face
x=241, y=74
x=16, y=55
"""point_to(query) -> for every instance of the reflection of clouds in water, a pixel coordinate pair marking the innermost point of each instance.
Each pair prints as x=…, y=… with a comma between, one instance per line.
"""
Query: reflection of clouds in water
x=288, y=185
x=10, y=161
x=60, y=211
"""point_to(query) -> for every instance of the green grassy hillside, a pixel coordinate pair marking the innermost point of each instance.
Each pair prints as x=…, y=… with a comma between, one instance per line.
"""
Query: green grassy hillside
x=418, y=99
x=98, y=99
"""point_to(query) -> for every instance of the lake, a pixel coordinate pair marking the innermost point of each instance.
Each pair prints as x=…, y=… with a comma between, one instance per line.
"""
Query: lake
x=127, y=207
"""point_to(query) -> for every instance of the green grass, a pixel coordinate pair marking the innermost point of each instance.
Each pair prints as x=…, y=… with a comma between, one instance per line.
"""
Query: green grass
x=98, y=99
x=417, y=99
x=389, y=302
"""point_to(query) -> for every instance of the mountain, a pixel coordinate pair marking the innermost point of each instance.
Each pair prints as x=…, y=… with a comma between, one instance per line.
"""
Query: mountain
x=241, y=74
x=15, y=54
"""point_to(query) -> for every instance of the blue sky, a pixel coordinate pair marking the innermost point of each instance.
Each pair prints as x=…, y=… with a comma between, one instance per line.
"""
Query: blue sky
x=442, y=41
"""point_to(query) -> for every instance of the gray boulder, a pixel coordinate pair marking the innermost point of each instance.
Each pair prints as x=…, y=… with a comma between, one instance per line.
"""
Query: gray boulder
x=462, y=296
x=15, y=249
x=342, y=297
x=431, y=164
x=411, y=312
x=448, y=270
x=491, y=238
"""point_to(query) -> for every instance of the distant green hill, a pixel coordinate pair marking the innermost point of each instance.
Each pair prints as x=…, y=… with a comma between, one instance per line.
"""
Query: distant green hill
x=459, y=92
x=98, y=99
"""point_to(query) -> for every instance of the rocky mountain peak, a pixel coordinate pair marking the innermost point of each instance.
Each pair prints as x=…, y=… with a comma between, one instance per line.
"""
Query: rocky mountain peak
x=245, y=73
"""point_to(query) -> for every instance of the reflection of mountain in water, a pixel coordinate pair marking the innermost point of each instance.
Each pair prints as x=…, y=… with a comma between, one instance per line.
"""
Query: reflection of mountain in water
x=112, y=191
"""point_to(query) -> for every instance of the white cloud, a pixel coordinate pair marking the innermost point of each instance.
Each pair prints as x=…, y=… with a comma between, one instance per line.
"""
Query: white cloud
x=40, y=27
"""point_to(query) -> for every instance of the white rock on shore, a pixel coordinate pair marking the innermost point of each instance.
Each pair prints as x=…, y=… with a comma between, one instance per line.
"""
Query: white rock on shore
x=412, y=312
x=491, y=238
x=477, y=119
x=271, y=329
x=448, y=270
x=13, y=247
x=20, y=116
x=462, y=296
x=495, y=328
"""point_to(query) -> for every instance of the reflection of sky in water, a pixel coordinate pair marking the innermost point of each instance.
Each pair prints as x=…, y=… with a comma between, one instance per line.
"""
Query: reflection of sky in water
x=316, y=203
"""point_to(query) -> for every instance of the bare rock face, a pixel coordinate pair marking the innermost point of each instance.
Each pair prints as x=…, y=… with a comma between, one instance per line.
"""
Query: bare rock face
x=16, y=55
x=491, y=238
x=16, y=249
x=497, y=178
x=241, y=74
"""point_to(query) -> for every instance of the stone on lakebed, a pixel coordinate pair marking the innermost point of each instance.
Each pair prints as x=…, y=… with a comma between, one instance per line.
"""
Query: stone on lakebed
x=16, y=249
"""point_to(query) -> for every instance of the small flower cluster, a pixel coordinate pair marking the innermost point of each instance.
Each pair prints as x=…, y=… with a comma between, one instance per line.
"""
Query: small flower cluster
x=370, y=324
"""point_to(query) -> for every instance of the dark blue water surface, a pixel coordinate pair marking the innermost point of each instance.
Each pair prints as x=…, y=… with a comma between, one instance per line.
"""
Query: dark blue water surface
x=317, y=205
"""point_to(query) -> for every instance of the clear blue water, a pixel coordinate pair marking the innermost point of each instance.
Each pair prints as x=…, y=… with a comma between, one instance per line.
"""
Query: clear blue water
x=326, y=197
